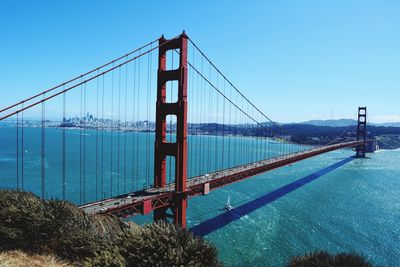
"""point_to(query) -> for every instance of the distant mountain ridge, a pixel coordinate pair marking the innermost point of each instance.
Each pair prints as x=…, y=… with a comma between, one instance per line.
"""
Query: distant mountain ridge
x=331, y=123
x=345, y=122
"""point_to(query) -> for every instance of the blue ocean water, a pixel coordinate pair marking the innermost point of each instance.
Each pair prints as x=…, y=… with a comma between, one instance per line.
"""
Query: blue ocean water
x=110, y=163
x=329, y=202
x=353, y=208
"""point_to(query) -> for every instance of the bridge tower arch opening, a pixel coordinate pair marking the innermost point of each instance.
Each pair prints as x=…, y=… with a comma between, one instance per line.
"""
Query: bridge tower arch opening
x=177, y=149
x=362, y=132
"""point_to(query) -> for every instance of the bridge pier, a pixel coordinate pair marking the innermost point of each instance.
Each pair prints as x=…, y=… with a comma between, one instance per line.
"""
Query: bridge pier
x=362, y=132
x=179, y=109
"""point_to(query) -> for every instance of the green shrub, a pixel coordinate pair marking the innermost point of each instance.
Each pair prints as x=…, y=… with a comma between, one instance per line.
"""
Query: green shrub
x=164, y=243
x=110, y=257
x=33, y=225
x=30, y=224
x=324, y=259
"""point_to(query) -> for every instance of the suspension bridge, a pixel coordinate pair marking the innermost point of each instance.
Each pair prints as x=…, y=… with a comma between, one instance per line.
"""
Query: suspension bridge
x=109, y=142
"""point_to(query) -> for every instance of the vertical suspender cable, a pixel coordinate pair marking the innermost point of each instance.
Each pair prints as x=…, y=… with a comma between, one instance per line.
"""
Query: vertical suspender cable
x=238, y=147
x=147, y=124
x=259, y=141
x=248, y=139
x=206, y=124
x=22, y=148
x=256, y=143
x=242, y=137
x=278, y=130
x=230, y=124
x=86, y=117
x=80, y=146
x=223, y=128
x=137, y=114
x=262, y=141
x=102, y=140
x=268, y=141
x=63, y=146
x=111, y=133
x=17, y=151
x=210, y=121
x=126, y=124
x=282, y=141
x=217, y=127
x=198, y=138
x=97, y=138
x=235, y=129
x=202, y=117
x=133, y=126
x=43, y=149
x=151, y=166
x=119, y=131
x=246, y=128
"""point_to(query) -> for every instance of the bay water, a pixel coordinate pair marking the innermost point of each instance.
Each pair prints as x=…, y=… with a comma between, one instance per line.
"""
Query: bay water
x=331, y=202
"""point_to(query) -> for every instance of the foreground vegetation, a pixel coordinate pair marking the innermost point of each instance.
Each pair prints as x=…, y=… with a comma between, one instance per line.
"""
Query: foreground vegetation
x=324, y=259
x=59, y=228
x=21, y=259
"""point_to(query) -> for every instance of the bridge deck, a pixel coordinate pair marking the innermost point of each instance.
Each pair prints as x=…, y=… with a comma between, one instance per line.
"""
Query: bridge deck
x=143, y=202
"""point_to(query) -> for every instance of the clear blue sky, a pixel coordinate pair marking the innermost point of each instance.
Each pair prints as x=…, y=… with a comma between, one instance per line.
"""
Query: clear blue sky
x=297, y=60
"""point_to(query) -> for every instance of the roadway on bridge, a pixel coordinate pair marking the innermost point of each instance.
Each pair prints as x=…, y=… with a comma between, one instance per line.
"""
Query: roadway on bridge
x=132, y=204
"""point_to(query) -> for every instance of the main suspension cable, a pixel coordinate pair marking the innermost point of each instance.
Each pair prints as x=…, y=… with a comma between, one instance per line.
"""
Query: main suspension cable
x=84, y=81
x=78, y=77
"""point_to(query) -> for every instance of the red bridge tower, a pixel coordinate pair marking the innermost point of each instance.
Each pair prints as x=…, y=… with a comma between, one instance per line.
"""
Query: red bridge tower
x=362, y=132
x=179, y=148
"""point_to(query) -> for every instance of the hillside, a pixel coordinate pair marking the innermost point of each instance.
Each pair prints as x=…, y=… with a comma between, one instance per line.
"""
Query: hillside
x=331, y=123
x=58, y=228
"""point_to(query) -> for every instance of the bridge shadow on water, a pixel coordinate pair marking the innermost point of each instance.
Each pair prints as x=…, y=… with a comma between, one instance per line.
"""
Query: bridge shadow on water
x=213, y=224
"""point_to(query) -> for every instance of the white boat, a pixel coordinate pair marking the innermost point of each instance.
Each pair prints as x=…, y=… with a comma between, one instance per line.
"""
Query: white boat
x=228, y=205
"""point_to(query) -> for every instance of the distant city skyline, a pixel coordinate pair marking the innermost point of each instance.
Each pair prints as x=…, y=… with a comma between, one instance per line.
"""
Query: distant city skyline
x=92, y=119
x=296, y=61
